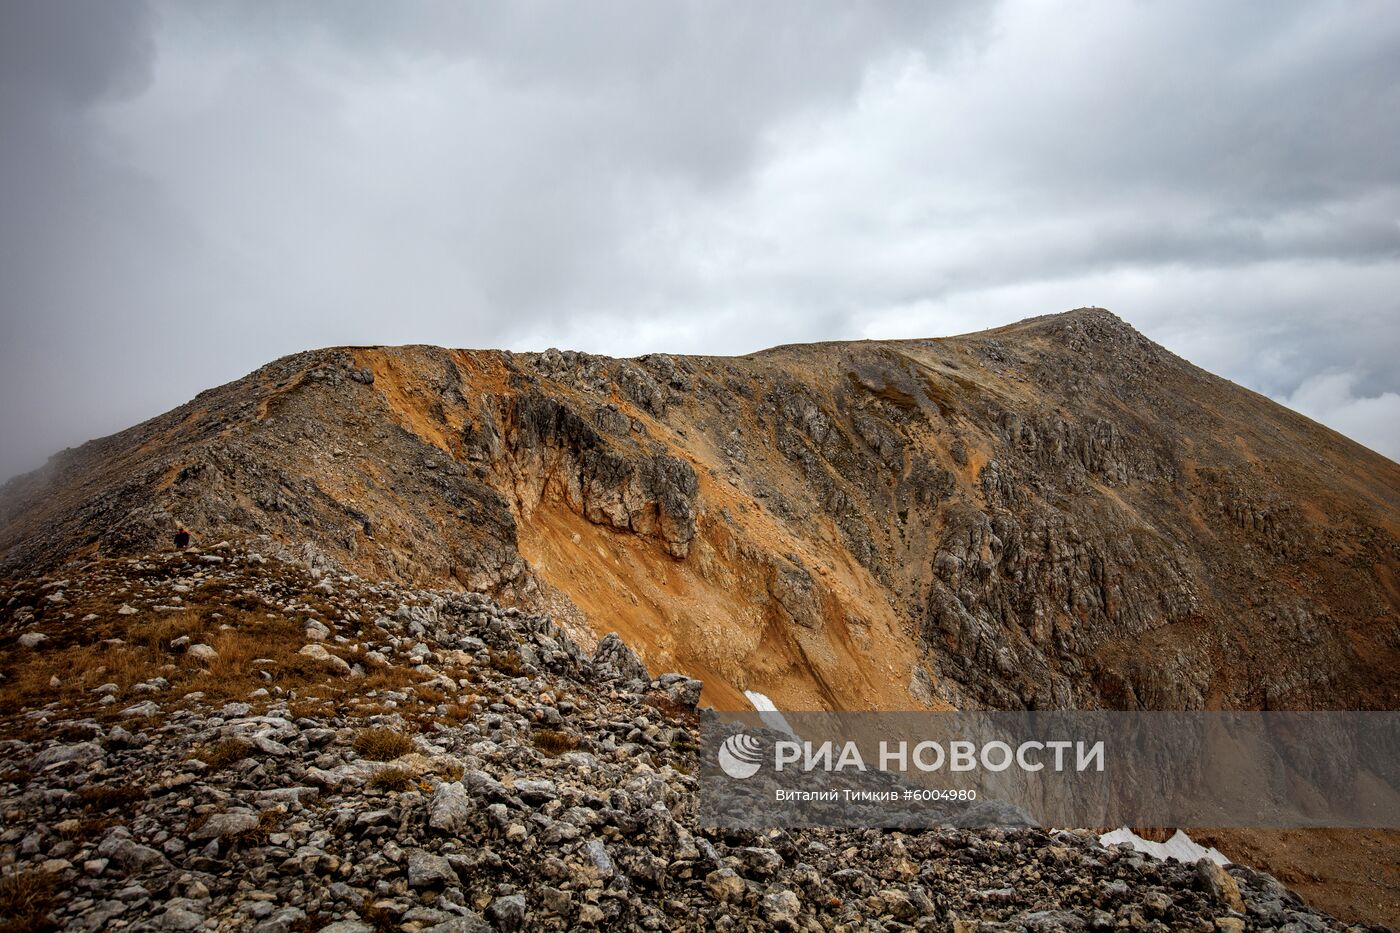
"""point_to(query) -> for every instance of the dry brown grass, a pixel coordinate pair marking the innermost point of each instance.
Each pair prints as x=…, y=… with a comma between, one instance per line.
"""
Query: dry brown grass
x=379, y=919
x=382, y=744
x=311, y=708
x=222, y=592
x=99, y=798
x=393, y=779
x=81, y=662
x=239, y=626
x=677, y=712
x=157, y=633
x=554, y=741
x=424, y=719
x=89, y=828
x=431, y=695
x=268, y=821
x=126, y=650
x=387, y=678
x=507, y=662
x=460, y=712
x=78, y=672
x=224, y=753
x=26, y=898
x=77, y=732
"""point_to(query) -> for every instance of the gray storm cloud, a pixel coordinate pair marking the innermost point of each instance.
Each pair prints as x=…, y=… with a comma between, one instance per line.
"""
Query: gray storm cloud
x=191, y=190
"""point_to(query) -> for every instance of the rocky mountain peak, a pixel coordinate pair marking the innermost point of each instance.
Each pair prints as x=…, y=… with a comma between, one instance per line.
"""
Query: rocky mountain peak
x=1057, y=512
x=427, y=586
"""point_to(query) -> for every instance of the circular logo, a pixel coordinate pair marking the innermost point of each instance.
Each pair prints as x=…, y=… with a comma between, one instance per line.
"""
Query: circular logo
x=740, y=755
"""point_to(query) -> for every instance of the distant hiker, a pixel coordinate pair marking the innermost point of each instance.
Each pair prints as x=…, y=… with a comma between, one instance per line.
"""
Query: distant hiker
x=182, y=539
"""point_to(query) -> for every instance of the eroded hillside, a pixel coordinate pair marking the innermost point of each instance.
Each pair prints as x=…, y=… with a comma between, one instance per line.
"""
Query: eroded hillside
x=1056, y=513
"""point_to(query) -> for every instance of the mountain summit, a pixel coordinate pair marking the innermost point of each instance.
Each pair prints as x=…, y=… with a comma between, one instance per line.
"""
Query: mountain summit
x=1057, y=513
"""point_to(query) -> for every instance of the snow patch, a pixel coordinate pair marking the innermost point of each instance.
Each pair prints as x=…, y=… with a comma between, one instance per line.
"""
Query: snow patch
x=768, y=712
x=1180, y=847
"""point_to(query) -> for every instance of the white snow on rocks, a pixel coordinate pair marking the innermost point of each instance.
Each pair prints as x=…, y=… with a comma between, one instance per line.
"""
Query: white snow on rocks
x=1180, y=847
x=769, y=713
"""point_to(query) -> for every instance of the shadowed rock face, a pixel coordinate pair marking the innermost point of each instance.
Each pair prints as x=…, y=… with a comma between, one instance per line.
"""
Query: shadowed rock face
x=607, y=477
x=1058, y=513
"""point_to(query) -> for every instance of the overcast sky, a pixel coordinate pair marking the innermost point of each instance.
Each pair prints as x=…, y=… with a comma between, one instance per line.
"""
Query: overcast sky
x=190, y=190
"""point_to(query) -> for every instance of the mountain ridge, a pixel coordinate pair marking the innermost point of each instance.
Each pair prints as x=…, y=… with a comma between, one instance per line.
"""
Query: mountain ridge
x=1053, y=513
x=1006, y=518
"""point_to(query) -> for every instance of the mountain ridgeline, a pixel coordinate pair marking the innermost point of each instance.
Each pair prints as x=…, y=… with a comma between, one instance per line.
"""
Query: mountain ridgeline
x=1054, y=514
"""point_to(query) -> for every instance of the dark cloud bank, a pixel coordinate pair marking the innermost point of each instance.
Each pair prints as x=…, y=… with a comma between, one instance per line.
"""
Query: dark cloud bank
x=189, y=190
